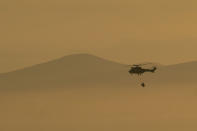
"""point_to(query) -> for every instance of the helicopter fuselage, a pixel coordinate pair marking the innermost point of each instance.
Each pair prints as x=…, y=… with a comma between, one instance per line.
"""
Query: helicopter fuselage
x=140, y=70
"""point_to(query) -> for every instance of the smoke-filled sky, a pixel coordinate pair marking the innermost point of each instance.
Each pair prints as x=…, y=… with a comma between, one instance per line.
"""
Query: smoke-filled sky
x=127, y=31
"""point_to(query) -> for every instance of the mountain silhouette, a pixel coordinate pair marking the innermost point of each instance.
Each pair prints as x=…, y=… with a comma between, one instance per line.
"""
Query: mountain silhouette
x=89, y=70
x=178, y=74
x=78, y=69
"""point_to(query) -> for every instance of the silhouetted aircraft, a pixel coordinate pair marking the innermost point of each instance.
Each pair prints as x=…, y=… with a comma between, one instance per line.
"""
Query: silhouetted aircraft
x=137, y=69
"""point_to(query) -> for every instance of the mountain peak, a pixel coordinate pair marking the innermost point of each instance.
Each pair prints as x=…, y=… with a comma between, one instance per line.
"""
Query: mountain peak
x=83, y=58
x=81, y=55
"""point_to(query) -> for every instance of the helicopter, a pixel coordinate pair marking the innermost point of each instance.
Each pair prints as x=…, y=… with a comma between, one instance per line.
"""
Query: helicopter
x=139, y=70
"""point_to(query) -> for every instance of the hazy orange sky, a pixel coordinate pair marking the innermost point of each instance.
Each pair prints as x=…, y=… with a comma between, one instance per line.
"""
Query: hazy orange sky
x=127, y=31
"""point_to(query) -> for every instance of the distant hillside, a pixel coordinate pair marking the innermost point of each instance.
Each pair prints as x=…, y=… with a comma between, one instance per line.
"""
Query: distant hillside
x=88, y=70
x=183, y=74
x=79, y=69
